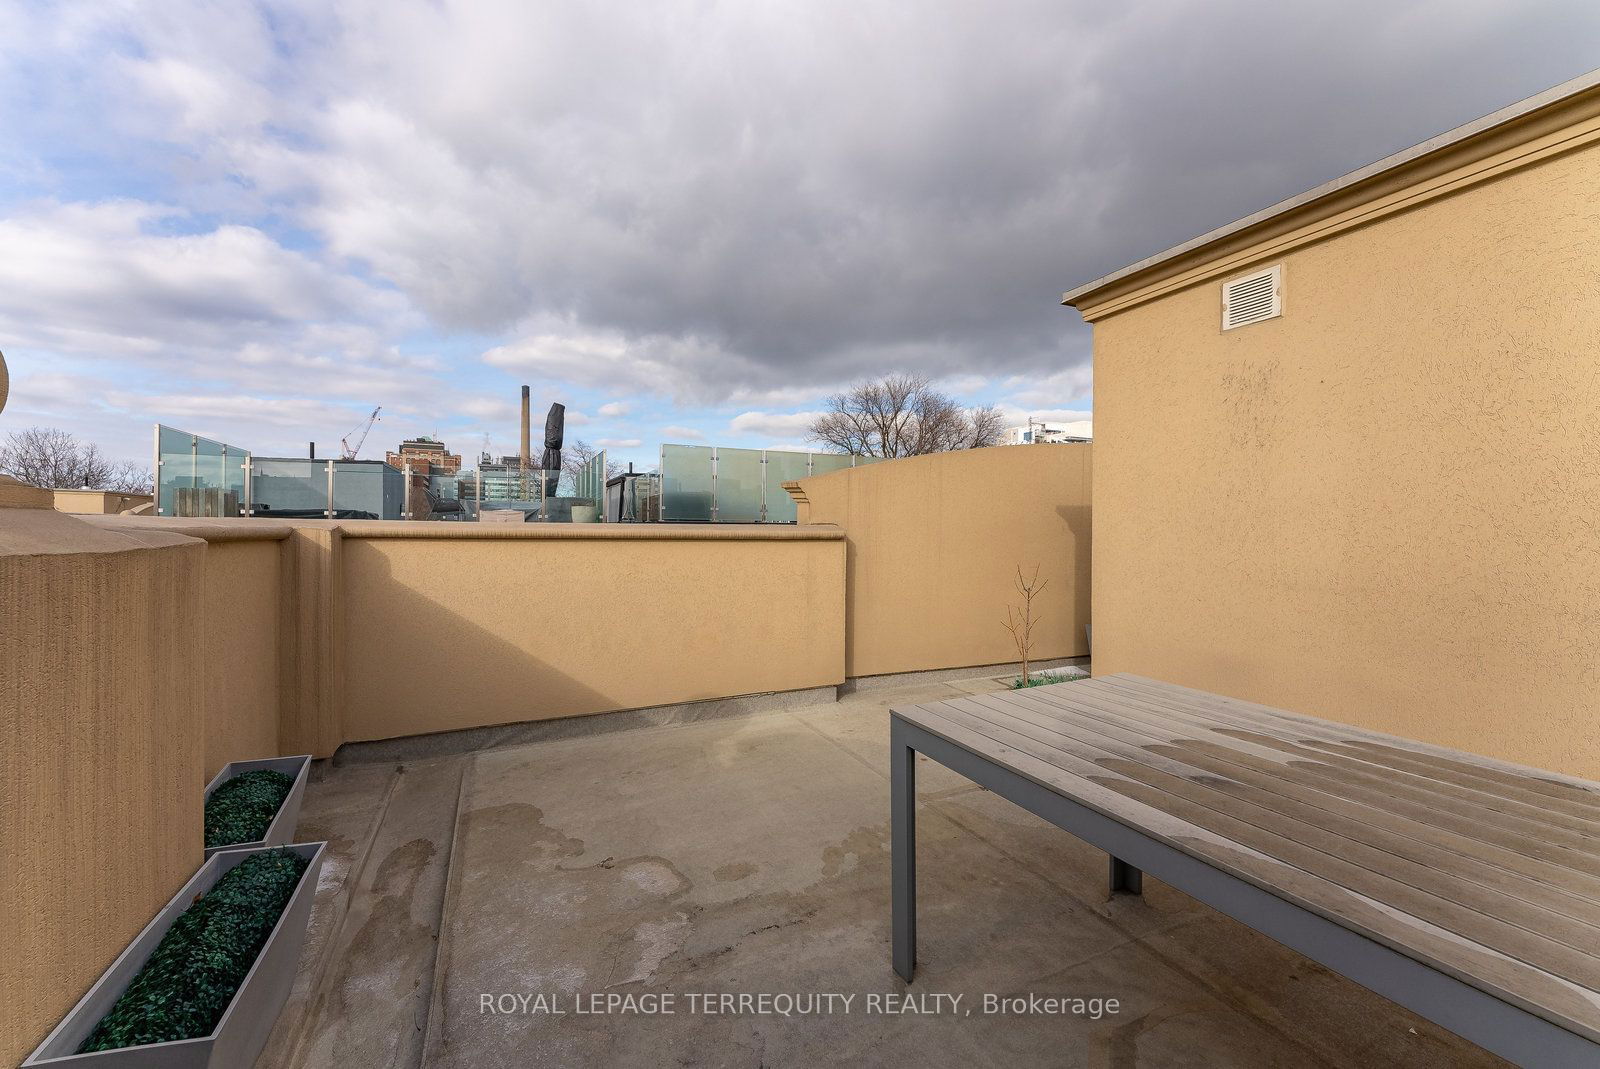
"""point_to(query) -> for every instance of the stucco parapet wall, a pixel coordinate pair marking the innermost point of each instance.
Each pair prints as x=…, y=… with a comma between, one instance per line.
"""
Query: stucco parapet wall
x=591, y=532
x=213, y=530
x=38, y=532
x=229, y=530
x=1554, y=122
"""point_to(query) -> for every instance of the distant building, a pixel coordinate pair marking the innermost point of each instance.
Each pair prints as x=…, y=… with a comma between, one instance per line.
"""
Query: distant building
x=505, y=479
x=427, y=456
x=1037, y=431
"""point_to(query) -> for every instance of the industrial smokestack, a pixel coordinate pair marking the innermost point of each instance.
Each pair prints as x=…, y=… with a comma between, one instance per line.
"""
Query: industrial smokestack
x=527, y=451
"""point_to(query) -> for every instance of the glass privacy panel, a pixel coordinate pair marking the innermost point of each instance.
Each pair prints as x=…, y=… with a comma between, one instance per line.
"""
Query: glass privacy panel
x=196, y=476
x=174, y=466
x=440, y=497
x=643, y=500
x=783, y=467
x=739, y=485
x=686, y=482
x=290, y=487
x=367, y=490
x=822, y=463
x=234, y=481
x=590, y=482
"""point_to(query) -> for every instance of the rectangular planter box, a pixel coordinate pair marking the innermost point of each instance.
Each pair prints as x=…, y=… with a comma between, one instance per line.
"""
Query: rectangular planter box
x=248, y=1020
x=281, y=830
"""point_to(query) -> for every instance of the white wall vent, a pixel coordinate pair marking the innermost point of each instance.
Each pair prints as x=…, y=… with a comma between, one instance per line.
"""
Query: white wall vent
x=1252, y=298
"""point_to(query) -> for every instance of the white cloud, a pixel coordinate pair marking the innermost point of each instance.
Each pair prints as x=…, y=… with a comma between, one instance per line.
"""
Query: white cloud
x=613, y=409
x=1053, y=391
x=492, y=409
x=1018, y=416
x=773, y=424
x=621, y=443
x=740, y=205
x=688, y=369
x=109, y=278
x=676, y=432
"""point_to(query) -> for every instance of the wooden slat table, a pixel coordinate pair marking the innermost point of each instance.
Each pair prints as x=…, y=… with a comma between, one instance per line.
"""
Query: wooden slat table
x=1466, y=889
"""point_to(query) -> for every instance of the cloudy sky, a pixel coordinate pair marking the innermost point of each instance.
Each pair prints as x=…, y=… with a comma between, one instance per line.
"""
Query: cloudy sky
x=688, y=221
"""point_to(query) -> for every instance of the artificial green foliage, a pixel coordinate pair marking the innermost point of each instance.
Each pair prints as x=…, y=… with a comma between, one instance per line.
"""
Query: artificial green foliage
x=1043, y=681
x=186, y=985
x=240, y=810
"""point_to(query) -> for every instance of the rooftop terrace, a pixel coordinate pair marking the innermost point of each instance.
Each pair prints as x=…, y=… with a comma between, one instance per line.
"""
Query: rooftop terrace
x=748, y=855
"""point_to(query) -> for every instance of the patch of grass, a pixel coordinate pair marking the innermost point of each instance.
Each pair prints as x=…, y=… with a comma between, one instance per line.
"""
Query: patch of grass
x=1043, y=681
x=241, y=810
x=186, y=985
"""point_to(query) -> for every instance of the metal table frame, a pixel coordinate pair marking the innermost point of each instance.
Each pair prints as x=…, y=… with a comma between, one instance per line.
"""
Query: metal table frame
x=1497, y=1026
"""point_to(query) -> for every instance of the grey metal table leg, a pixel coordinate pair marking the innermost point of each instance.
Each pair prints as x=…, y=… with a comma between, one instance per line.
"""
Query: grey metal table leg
x=1125, y=878
x=903, y=828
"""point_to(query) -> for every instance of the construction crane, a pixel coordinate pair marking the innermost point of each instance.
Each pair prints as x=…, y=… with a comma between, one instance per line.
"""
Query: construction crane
x=346, y=450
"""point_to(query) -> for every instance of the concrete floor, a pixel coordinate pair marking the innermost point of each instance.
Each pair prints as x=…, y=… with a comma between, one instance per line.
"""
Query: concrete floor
x=751, y=855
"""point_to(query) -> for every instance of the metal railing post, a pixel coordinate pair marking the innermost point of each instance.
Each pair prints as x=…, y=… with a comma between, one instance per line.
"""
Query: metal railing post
x=155, y=479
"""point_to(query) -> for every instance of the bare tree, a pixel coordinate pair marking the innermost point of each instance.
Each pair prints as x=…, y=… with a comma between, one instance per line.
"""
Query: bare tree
x=129, y=477
x=1021, y=624
x=54, y=459
x=902, y=416
x=986, y=426
x=575, y=455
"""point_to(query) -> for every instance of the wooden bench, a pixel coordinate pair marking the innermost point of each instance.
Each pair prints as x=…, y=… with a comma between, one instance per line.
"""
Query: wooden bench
x=1463, y=888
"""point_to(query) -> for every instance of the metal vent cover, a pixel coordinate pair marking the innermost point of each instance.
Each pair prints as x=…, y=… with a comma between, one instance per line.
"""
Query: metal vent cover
x=1252, y=298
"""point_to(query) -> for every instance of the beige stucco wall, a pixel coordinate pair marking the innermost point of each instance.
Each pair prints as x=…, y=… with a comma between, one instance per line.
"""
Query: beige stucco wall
x=101, y=705
x=240, y=603
x=97, y=502
x=499, y=625
x=1380, y=508
x=140, y=654
x=934, y=547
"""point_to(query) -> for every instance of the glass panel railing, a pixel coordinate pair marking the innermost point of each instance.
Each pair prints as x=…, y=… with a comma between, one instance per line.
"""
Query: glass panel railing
x=686, y=482
x=642, y=499
x=451, y=497
x=589, y=485
x=289, y=488
x=739, y=481
x=196, y=476
x=174, y=467
x=367, y=490
x=783, y=466
x=823, y=463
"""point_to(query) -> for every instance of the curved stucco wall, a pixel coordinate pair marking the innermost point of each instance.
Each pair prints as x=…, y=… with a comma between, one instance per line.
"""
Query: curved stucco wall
x=101, y=703
x=1381, y=507
x=934, y=546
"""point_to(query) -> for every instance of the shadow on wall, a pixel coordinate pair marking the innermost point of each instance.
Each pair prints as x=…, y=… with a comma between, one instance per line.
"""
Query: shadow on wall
x=441, y=635
x=934, y=547
x=1081, y=525
x=419, y=667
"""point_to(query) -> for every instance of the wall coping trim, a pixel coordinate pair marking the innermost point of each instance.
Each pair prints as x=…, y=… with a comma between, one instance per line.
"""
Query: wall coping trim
x=217, y=530
x=594, y=532
x=224, y=529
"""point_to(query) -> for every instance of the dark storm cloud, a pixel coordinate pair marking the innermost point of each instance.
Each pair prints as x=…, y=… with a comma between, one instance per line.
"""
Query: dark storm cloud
x=711, y=200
